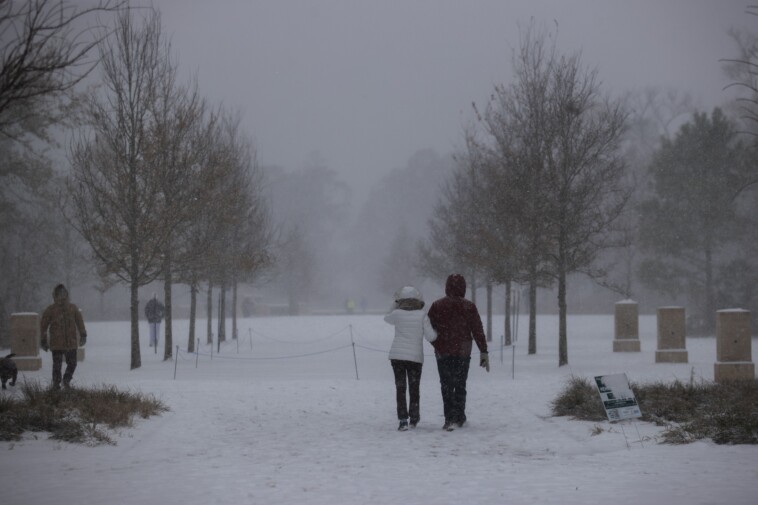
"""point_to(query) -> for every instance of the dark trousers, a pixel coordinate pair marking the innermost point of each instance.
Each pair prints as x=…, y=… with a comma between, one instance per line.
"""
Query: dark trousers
x=453, y=375
x=407, y=372
x=58, y=356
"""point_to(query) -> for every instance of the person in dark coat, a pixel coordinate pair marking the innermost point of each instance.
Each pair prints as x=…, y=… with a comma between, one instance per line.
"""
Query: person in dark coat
x=66, y=331
x=154, y=312
x=457, y=323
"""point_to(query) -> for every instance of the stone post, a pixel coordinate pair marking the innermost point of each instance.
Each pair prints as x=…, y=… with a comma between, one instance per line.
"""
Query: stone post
x=627, y=337
x=25, y=340
x=734, y=355
x=671, y=336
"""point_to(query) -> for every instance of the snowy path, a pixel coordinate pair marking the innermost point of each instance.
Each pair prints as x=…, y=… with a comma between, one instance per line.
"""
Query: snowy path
x=304, y=430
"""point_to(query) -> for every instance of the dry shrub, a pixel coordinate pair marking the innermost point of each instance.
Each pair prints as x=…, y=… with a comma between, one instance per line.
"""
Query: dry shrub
x=81, y=415
x=580, y=400
x=726, y=413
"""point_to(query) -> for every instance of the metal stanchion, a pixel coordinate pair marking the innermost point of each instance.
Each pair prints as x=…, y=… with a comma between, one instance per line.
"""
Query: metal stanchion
x=355, y=359
x=176, y=361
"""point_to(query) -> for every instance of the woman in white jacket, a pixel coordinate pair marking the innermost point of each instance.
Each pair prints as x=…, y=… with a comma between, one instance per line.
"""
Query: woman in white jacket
x=412, y=326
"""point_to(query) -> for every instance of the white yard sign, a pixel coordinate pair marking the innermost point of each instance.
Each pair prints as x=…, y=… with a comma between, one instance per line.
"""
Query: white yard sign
x=617, y=397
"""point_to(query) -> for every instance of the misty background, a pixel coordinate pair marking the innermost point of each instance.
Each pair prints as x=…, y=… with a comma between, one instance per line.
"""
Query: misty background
x=356, y=112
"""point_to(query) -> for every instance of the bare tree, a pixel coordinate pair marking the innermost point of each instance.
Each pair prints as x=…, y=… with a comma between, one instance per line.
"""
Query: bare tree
x=244, y=234
x=454, y=230
x=176, y=147
x=743, y=71
x=116, y=194
x=44, y=52
x=515, y=143
x=554, y=143
x=585, y=176
x=505, y=258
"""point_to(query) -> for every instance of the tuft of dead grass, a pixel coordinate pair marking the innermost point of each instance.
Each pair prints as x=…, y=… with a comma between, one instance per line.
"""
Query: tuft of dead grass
x=726, y=413
x=78, y=415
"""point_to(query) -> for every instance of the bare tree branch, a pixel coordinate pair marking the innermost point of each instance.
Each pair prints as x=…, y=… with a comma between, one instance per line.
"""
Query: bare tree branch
x=45, y=50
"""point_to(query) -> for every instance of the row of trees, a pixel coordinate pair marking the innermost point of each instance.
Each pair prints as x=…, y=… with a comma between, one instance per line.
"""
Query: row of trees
x=540, y=183
x=162, y=185
x=556, y=178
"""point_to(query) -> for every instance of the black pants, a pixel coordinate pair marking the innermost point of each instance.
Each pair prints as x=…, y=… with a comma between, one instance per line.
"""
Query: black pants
x=453, y=375
x=58, y=363
x=407, y=372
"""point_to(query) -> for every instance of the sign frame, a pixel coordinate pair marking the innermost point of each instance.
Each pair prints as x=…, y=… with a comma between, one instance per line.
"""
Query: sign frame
x=617, y=397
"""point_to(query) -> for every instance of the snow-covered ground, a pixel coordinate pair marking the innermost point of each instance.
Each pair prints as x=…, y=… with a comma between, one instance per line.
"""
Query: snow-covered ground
x=285, y=421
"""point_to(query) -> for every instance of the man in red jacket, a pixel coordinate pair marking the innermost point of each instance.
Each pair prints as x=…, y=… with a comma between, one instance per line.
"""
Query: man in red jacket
x=457, y=322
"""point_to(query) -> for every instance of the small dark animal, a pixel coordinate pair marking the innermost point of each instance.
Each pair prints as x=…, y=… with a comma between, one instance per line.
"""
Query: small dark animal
x=8, y=370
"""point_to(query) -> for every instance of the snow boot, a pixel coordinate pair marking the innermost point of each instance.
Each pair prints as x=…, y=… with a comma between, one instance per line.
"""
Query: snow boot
x=403, y=426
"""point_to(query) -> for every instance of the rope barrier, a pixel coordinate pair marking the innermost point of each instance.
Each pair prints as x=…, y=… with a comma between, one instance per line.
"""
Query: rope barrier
x=385, y=351
x=185, y=356
x=242, y=358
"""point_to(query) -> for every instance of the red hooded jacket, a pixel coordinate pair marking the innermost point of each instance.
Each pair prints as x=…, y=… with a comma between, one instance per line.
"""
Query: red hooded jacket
x=456, y=321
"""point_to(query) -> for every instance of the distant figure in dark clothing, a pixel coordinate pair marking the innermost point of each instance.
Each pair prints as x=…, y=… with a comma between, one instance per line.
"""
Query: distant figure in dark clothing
x=67, y=333
x=457, y=323
x=154, y=312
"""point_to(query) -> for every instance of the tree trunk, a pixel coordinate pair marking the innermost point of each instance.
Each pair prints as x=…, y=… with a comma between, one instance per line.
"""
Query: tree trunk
x=562, y=309
x=167, y=283
x=209, y=312
x=508, y=302
x=134, y=266
x=192, y=314
x=533, y=312
x=234, y=309
x=221, y=313
x=489, y=311
x=136, y=361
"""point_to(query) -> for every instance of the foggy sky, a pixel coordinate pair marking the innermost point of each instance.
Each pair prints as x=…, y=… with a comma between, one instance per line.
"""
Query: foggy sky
x=365, y=84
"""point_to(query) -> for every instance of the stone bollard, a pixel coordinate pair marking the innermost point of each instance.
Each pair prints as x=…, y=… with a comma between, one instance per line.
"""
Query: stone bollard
x=671, y=336
x=734, y=355
x=627, y=327
x=25, y=340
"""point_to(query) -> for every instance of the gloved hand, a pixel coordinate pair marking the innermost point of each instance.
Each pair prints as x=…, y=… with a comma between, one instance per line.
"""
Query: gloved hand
x=484, y=361
x=43, y=345
x=82, y=340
